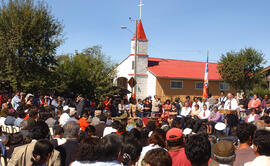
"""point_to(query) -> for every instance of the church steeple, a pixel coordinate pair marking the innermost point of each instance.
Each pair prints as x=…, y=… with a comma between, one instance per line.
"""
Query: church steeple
x=140, y=33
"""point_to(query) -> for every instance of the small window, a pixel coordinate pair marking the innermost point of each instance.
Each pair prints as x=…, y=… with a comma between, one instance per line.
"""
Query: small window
x=199, y=85
x=133, y=64
x=176, y=84
x=224, y=86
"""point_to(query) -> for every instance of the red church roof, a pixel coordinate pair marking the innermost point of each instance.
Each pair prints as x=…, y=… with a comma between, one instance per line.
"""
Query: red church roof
x=171, y=68
x=140, y=32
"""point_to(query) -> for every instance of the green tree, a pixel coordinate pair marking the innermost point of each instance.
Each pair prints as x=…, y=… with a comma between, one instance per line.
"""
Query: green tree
x=89, y=73
x=29, y=36
x=242, y=70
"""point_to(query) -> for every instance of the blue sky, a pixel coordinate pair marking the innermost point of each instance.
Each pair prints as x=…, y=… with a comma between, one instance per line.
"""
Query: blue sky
x=176, y=29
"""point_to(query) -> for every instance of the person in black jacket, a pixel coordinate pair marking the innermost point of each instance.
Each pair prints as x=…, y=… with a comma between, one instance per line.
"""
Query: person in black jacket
x=80, y=105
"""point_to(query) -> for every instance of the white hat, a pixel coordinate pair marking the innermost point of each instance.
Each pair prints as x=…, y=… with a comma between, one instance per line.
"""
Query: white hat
x=220, y=126
x=27, y=96
x=72, y=111
x=187, y=131
x=65, y=108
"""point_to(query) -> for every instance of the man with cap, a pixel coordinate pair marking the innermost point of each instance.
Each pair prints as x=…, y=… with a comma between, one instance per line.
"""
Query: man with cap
x=73, y=114
x=64, y=118
x=223, y=154
x=176, y=147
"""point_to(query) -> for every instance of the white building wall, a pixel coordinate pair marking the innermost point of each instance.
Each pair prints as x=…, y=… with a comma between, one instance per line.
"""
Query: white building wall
x=124, y=69
x=151, y=84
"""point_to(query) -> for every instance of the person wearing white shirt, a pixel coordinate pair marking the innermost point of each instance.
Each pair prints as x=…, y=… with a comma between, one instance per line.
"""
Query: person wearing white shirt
x=196, y=101
x=205, y=113
x=205, y=102
x=64, y=118
x=222, y=98
x=231, y=103
x=185, y=110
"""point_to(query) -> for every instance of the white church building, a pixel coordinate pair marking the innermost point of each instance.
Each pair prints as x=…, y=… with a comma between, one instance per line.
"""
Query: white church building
x=166, y=78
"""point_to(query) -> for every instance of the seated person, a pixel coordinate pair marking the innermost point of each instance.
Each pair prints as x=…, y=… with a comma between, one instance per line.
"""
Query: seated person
x=3, y=138
x=252, y=117
x=185, y=110
x=255, y=103
x=196, y=111
x=204, y=114
x=10, y=118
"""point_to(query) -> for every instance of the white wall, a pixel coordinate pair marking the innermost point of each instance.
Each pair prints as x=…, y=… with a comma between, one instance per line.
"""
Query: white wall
x=151, y=84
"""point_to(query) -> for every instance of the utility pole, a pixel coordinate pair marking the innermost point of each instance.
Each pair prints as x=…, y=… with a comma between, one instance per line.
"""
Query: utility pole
x=135, y=56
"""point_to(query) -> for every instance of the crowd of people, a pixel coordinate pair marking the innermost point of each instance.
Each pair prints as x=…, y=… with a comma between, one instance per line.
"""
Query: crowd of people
x=193, y=132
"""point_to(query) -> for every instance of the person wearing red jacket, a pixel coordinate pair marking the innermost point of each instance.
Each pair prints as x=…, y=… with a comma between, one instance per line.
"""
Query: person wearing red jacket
x=83, y=122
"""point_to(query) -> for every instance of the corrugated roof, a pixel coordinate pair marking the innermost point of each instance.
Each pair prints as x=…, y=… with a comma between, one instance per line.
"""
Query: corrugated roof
x=181, y=69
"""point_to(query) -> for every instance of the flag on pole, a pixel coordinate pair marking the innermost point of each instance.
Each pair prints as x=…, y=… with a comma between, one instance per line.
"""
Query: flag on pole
x=205, y=84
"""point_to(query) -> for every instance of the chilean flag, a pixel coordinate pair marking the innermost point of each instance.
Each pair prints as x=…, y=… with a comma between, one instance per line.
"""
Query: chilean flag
x=205, y=84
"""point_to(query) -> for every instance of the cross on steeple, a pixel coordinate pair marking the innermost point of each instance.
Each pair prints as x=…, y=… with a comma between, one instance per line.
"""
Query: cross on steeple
x=140, y=5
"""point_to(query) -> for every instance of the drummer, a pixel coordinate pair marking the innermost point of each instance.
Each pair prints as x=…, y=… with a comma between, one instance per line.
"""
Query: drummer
x=231, y=103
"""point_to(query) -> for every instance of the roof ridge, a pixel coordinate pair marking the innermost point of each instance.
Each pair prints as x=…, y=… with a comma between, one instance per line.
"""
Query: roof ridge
x=181, y=60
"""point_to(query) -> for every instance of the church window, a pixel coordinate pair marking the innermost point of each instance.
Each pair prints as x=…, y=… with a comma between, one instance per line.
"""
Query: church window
x=176, y=84
x=199, y=85
x=133, y=64
x=224, y=86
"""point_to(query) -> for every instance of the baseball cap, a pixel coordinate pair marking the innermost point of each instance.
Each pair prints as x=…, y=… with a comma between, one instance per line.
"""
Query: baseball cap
x=174, y=134
x=72, y=111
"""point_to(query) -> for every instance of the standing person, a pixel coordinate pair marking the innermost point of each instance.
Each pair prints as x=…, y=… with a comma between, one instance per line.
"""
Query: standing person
x=80, y=105
x=261, y=146
x=167, y=108
x=71, y=134
x=198, y=149
x=223, y=153
x=101, y=126
x=157, y=157
x=222, y=97
x=140, y=108
x=155, y=106
x=121, y=108
x=176, y=147
x=107, y=104
x=231, y=103
x=211, y=101
x=188, y=101
x=255, y=103
x=178, y=105
x=21, y=155
x=16, y=100
x=244, y=153
x=42, y=152
x=133, y=108
x=147, y=108
x=83, y=121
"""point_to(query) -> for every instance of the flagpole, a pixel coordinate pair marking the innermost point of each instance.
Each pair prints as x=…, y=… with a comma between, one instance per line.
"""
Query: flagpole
x=205, y=84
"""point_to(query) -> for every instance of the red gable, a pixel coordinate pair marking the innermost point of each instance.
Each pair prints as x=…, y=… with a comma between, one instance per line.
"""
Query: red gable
x=171, y=68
